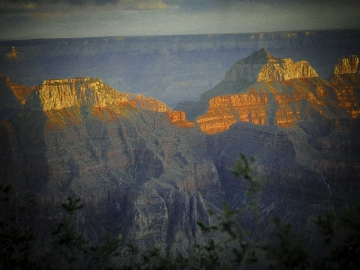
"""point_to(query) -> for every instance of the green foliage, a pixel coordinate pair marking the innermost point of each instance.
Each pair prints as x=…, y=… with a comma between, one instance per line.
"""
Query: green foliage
x=341, y=230
x=289, y=252
x=228, y=245
x=16, y=238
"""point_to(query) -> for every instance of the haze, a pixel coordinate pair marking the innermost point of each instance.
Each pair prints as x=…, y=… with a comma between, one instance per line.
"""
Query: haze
x=32, y=19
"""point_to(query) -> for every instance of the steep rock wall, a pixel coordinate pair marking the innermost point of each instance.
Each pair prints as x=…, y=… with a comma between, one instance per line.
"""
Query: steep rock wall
x=347, y=81
x=285, y=69
x=347, y=65
x=148, y=103
x=278, y=103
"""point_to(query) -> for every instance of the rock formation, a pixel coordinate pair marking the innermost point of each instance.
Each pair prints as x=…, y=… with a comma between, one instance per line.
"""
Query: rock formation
x=249, y=67
x=178, y=118
x=285, y=69
x=80, y=136
x=347, y=81
x=141, y=175
x=347, y=65
x=148, y=103
x=13, y=54
x=13, y=96
x=284, y=93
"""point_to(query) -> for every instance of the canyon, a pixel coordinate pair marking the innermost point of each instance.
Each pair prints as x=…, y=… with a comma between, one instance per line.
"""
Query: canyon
x=145, y=171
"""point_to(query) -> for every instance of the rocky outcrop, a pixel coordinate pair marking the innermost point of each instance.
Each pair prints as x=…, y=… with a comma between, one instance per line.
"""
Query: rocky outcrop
x=63, y=100
x=148, y=103
x=138, y=173
x=347, y=65
x=178, y=118
x=13, y=54
x=285, y=69
x=12, y=96
x=21, y=92
x=249, y=67
x=65, y=93
x=273, y=103
x=262, y=66
x=141, y=176
x=347, y=81
x=227, y=110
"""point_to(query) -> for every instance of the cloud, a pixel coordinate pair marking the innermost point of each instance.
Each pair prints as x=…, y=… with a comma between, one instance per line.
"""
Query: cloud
x=28, y=5
x=151, y=5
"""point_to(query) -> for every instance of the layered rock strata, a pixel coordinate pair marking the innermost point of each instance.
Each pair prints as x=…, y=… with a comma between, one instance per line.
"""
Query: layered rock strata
x=64, y=100
x=249, y=67
x=347, y=81
x=79, y=136
x=148, y=103
x=347, y=65
x=273, y=103
x=285, y=69
x=178, y=118
x=284, y=93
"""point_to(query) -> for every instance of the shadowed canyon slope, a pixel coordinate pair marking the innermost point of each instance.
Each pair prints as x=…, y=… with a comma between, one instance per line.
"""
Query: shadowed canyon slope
x=142, y=169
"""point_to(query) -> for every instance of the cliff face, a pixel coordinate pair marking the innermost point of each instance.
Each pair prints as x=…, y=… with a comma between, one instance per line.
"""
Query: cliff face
x=284, y=93
x=273, y=103
x=262, y=66
x=148, y=103
x=178, y=118
x=285, y=69
x=64, y=101
x=227, y=110
x=347, y=65
x=65, y=93
x=140, y=175
x=79, y=136
x=347, y=81
x=12, y=96
x=249, y=67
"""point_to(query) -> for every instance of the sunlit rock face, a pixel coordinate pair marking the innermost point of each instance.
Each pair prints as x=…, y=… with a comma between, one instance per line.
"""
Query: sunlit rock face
x=178, y=118
x=135, y=170
x=249, y=67
x=148, y=103
x=285, y=69
x=63, y=100
x=227, y=110
x=65, y=93
x=347, y=80
x=284, y=93
x=347, y=65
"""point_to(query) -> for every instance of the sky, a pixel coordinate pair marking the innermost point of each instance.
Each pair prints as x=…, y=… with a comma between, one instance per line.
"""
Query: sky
x=33, y=19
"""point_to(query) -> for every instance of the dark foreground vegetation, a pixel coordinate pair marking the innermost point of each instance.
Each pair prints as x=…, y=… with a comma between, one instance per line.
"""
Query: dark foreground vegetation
x=228, y=245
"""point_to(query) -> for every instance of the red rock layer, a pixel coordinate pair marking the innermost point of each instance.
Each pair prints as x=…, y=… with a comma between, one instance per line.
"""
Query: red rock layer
x=178, y=118
x=347, y=81
x=227, y=110
x=148, y=103
x=285, y=69
x=62, y=99
x=281, y=101
x=347, y=65
x=348, y=85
